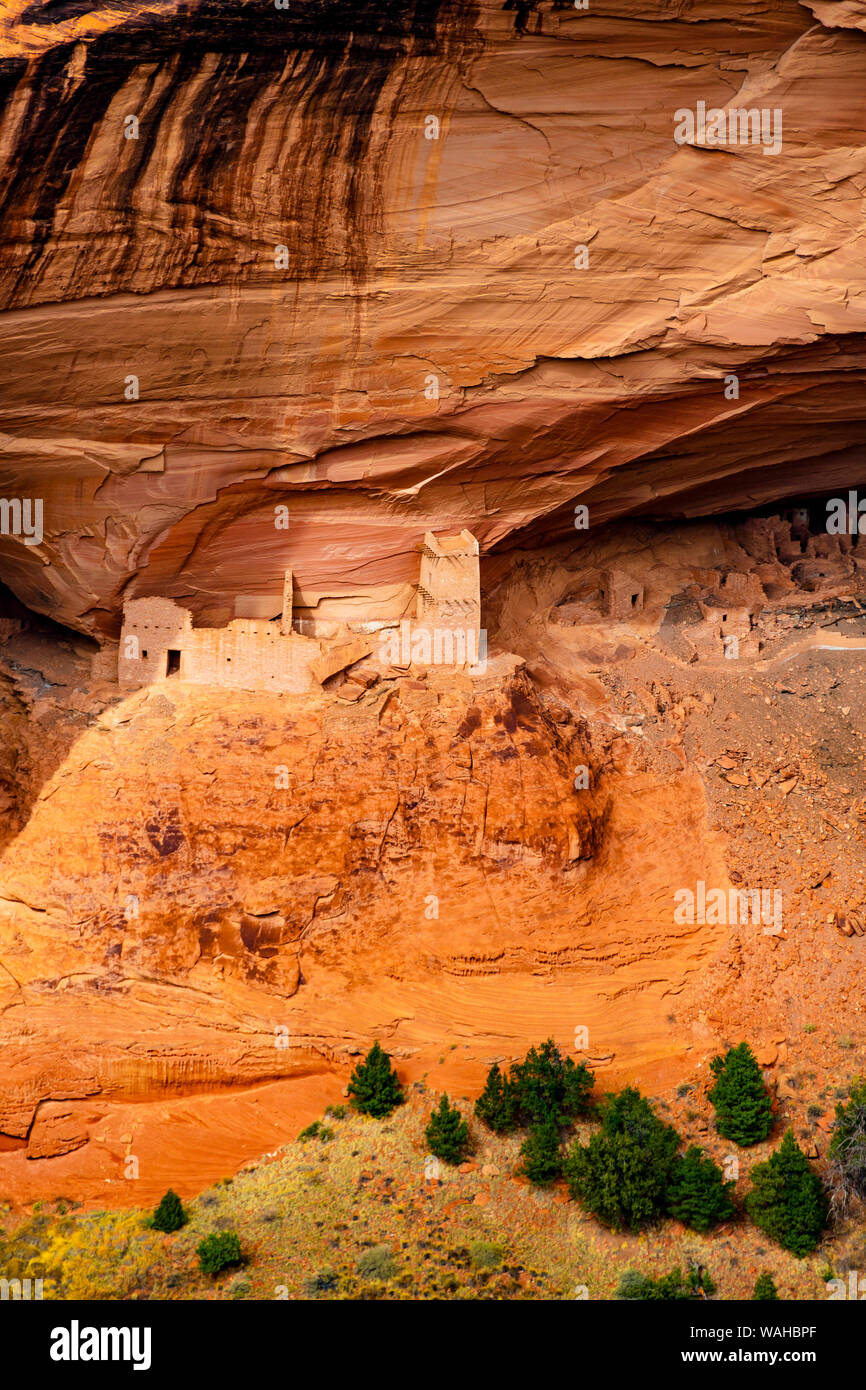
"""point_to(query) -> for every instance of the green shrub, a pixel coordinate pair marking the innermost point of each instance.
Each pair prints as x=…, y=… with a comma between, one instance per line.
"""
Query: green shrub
x=373, y=1085
x=311, y=1131
x=741, y=1101
x=549, y=1086
x=544, y=1086
x=377, y=1263
x=336, y=1112
x=169, y=1215
x=496, y=1107
x=219, y=1251
x=612, y=1176
x=634, y=1285
x=622, y=1174
x=485, y=1255
x=765, y=1290
x=541, y=1154
x=787, y=1200
x=447, y=1134
x=628, y=1112
x=697, y=1192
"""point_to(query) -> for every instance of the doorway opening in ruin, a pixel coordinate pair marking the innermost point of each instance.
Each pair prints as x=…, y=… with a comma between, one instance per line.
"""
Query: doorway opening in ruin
x=172, y=664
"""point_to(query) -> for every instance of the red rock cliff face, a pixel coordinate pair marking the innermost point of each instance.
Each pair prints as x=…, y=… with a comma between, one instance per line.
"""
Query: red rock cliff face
x=174, y=907
x=424, y=351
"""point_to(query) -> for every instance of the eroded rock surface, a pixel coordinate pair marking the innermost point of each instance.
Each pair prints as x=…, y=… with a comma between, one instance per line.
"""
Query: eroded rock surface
x=208, y=894
x=428, y=356
x=211, y=902
x=205, y=871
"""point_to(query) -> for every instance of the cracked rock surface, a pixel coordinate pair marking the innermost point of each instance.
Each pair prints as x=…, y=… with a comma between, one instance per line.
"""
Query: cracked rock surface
x=326, y=310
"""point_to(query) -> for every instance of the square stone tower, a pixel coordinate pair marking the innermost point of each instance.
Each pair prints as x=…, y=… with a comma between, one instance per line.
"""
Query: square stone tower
x=621, y=596
x=154, y=642
x=449, y=585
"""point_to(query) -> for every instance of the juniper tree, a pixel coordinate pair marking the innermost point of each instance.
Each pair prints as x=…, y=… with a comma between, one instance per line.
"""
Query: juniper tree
x=373, y=1085
x=550, y=1086
x=219, y=1251
x=496, y=1107
x=697, y=1192
x=541, y=1154
x=628, y=1112
x=447, y=1134
x=622, y=1174
x=698, y=1283
x=169, y=1215
x=787, y=1199
x=740, y=1098
x=765, y=1290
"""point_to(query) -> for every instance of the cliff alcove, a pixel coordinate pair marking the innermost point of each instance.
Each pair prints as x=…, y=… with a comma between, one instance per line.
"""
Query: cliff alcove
x=289, y=290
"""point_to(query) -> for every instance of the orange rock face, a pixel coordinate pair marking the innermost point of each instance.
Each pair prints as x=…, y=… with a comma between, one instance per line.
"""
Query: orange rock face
x=330, y=260
x=212, y=901
x=215, y=890
x=285, y=290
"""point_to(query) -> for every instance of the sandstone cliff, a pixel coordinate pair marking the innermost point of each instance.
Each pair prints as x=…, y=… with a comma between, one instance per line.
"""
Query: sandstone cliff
x=239, y=277
x=427, y=353
x=203, y=873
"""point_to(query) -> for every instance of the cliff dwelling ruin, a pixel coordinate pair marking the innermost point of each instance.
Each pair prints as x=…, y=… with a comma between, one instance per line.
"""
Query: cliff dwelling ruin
x=308, y=304
x=253, y=652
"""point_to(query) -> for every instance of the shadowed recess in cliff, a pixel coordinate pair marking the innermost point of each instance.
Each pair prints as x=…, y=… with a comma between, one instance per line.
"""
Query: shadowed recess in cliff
x=315, y=81
x=55, y=11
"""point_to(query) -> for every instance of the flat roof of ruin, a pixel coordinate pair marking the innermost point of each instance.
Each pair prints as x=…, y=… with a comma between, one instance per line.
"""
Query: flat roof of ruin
x=464, y=542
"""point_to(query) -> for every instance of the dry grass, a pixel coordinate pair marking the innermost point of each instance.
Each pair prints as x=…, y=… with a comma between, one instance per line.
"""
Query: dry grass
x=354, y=1216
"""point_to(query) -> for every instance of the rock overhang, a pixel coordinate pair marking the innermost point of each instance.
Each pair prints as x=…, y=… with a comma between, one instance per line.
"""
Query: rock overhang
x=430, y=356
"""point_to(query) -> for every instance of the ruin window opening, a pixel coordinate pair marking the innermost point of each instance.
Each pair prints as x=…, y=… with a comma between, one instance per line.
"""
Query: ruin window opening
x=172, y=662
